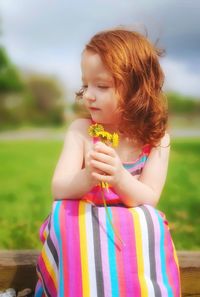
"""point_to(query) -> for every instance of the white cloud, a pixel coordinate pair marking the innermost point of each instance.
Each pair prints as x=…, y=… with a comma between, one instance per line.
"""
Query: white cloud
x=180, y=78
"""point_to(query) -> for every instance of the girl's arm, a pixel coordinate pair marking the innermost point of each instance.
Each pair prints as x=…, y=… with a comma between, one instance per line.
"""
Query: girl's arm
x=74, y=188
x=147, y=189
x=70, y=181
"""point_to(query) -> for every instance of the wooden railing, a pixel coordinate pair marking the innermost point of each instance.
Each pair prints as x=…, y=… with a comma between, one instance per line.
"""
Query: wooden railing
x=17, y=270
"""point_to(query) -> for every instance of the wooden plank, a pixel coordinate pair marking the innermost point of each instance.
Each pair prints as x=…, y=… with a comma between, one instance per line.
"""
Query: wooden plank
x=17, y=270
x=189, y=262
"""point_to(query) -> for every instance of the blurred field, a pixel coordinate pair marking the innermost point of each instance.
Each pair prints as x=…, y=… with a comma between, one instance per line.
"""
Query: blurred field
x=25, y=197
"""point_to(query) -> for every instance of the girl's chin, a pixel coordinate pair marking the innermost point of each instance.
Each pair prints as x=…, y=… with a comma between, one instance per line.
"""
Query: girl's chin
x=99, y=120
x=95, y=118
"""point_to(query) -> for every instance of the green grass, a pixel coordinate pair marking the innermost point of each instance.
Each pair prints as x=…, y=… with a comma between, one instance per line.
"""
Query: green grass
x=180, y=199
x=26, y=169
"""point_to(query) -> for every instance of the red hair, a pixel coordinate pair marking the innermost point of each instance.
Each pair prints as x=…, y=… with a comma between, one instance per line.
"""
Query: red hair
x=133, y=61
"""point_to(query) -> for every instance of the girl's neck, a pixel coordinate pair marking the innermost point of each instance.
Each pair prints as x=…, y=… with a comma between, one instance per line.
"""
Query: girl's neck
x=114, y=128
x=123, y=138
x=111, y=128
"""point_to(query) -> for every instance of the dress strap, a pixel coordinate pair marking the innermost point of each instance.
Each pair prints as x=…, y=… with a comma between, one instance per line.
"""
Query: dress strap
x=146, y=149
x=95, y=139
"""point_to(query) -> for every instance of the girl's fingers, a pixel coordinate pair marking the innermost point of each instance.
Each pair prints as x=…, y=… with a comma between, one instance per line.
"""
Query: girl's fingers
x=102, y=157
x=102, y=166
x=98, y=171
x=100, y=177
x=103, y=148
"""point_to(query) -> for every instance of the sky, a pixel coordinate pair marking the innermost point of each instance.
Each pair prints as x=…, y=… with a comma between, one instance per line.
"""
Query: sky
x=48, y=36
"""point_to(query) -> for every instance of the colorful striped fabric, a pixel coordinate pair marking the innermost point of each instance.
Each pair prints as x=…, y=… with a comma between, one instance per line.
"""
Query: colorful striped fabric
x=82, y=257
x=135, y=167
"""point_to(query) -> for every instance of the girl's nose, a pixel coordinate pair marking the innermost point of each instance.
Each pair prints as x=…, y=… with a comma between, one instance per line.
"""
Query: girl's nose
x=91, y=99
x=89, y=96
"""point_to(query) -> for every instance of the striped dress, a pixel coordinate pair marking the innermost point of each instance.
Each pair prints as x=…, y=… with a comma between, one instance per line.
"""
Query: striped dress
x=82, y=256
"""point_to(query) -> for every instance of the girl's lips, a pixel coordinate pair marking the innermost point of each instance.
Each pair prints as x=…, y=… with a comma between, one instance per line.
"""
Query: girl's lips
x=94, y=108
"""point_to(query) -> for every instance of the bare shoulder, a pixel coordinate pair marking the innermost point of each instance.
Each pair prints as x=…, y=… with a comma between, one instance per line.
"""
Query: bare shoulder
x=80, y=126
x=165, y=140
x=163, y=148
x=80, y=123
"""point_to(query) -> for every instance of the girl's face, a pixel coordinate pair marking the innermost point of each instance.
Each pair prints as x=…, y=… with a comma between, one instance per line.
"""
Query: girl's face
x=99, y=94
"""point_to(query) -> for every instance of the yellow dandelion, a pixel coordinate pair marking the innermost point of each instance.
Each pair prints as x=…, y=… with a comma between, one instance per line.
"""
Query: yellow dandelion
x=105, y=135
x=94, y=129
x=115, y=139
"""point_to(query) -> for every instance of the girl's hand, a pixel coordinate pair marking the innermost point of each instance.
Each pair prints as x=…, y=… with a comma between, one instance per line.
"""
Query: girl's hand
x=90, y=169
x=106, y=164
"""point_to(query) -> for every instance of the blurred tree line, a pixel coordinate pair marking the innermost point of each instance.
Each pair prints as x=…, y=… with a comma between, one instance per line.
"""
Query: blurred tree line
x=179, y=104
x=33, y=99
x=28, y=99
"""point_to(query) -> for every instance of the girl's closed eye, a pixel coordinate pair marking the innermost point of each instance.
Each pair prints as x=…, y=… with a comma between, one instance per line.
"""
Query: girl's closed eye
x=103, y=87
x=100, y=87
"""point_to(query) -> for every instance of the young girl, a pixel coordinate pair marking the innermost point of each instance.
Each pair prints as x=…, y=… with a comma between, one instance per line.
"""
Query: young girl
x=127, y=250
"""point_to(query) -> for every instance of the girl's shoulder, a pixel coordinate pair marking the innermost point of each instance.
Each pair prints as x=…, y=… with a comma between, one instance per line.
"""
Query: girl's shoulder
x=165, y=140
x=80, y=123
x=163, y=144
x=80, y=126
